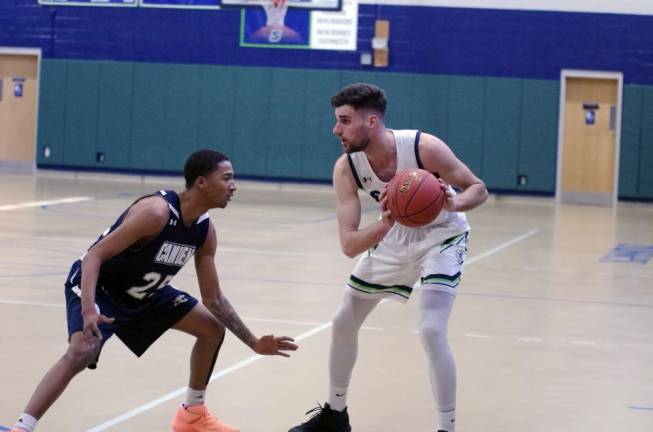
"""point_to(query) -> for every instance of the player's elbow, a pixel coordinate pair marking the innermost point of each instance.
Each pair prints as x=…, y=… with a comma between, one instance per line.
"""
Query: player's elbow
x=349, y=250
x=483, y=193
x=348, y=243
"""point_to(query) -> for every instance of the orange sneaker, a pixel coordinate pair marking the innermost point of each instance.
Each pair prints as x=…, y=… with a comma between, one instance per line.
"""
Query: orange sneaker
x=197, y=418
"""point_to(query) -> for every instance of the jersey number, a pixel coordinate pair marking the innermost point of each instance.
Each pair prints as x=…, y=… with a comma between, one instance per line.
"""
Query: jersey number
x=154, y=281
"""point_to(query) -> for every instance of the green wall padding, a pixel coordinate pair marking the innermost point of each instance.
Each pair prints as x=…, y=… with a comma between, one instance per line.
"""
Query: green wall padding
x=216, y=113
x=148, y=116
x=81, y=105
x=429, y=104
x=115, y=114
x=182, y=106
x=646, y=153
x=278, y=123
x=52, y=114
x=465, y=122
x=252, y=120
x=285, y=139
x=631, y=136
x=320, y=148
x=539, y=135
x=501, y=133
x=399, y=91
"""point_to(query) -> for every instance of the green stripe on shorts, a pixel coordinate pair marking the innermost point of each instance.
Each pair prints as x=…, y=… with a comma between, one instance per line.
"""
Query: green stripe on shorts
x=370, y=288
x=442, y=279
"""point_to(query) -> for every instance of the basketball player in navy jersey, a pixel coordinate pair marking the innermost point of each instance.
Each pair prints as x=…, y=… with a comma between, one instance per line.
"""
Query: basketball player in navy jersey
x=121, y=286
x=396, y=256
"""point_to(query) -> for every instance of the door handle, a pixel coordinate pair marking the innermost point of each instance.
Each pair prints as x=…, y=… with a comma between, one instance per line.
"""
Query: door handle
x=613, y=117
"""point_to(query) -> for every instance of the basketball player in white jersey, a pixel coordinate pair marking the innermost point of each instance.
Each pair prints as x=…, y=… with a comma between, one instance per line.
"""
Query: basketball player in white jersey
x=394, y=257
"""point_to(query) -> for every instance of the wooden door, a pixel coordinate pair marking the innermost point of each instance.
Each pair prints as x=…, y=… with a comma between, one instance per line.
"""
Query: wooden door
x=589, y=147
x=18, y=74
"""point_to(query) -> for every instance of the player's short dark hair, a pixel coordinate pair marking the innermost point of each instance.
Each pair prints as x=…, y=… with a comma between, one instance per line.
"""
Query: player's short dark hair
x=201, y=163
x=361, y=95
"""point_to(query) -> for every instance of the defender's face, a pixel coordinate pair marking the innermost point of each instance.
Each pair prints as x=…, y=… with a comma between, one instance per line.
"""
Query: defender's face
x=220, y=185
x=352, y=128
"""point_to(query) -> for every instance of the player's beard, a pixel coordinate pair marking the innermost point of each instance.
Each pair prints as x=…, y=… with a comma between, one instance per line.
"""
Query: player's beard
x=356, y=146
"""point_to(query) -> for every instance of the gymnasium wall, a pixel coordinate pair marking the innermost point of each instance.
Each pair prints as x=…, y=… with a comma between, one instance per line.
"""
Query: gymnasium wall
x=146, y=86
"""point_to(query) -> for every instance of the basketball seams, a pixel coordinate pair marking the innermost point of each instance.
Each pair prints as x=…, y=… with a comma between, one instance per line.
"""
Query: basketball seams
x=428, y=207
x=416, y=190
x=399, y=202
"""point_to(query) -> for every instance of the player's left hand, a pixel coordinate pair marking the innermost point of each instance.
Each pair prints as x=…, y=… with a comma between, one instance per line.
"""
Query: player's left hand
x=271, y=345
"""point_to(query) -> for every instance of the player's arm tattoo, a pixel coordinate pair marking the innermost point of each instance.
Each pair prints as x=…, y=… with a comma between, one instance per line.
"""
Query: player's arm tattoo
x=226, y=314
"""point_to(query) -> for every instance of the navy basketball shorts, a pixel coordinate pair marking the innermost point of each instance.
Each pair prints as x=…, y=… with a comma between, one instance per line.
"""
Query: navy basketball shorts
x=137, y=327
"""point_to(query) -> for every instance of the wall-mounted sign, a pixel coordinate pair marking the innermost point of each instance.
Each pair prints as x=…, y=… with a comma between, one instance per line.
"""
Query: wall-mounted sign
x=285, y=27
x=18, y=86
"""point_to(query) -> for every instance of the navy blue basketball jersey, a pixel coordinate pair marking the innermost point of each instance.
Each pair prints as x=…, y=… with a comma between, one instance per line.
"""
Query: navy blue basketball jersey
x=134, y=275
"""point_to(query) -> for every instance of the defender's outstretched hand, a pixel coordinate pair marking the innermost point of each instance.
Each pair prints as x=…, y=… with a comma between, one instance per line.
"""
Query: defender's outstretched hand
x=271, y=345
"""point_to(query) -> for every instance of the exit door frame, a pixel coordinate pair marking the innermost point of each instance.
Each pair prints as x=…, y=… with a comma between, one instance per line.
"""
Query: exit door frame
x=605, y=75
x=36, y=52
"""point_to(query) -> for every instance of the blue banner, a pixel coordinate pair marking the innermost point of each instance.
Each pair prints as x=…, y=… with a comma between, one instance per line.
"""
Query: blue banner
x=182, y=4
x=129, y=3
x=325, y=5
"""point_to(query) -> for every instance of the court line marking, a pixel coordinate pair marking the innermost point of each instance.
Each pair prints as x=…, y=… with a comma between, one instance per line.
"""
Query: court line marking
x=244, y=318
x=147, y=406
x=501, y=247
x=476, y=335
x=26, y=303
x=180, y=391
x=69, y=200
x=529, y=339
x=583, y=342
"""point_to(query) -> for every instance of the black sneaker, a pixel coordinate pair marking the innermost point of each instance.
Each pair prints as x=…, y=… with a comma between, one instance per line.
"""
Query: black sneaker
x=325, y=419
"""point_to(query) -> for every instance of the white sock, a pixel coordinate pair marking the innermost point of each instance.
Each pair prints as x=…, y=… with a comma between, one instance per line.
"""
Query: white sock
x=447, y=420
x=338, y=398
x=344, y=346
x=194, y=397
x=435, y=308
x=26, y=422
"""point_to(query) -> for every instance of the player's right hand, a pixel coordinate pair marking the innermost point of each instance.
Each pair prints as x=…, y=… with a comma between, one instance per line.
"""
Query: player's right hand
x=386, y=216
x=91, y=321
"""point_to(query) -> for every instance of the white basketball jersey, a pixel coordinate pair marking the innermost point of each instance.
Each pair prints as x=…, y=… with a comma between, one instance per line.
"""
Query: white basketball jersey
x=407, y=144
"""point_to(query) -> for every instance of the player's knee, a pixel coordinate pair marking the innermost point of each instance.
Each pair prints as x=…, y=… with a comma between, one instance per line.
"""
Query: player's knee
x=79, y=356
x=212, y=330
x=344, y=329
x=433, y=336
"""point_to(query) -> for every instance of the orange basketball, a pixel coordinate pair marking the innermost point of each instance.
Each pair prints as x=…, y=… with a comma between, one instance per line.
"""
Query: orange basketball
x=415, y=198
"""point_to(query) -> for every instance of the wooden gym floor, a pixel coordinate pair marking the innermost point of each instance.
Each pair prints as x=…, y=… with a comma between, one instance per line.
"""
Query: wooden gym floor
x=546, y=336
